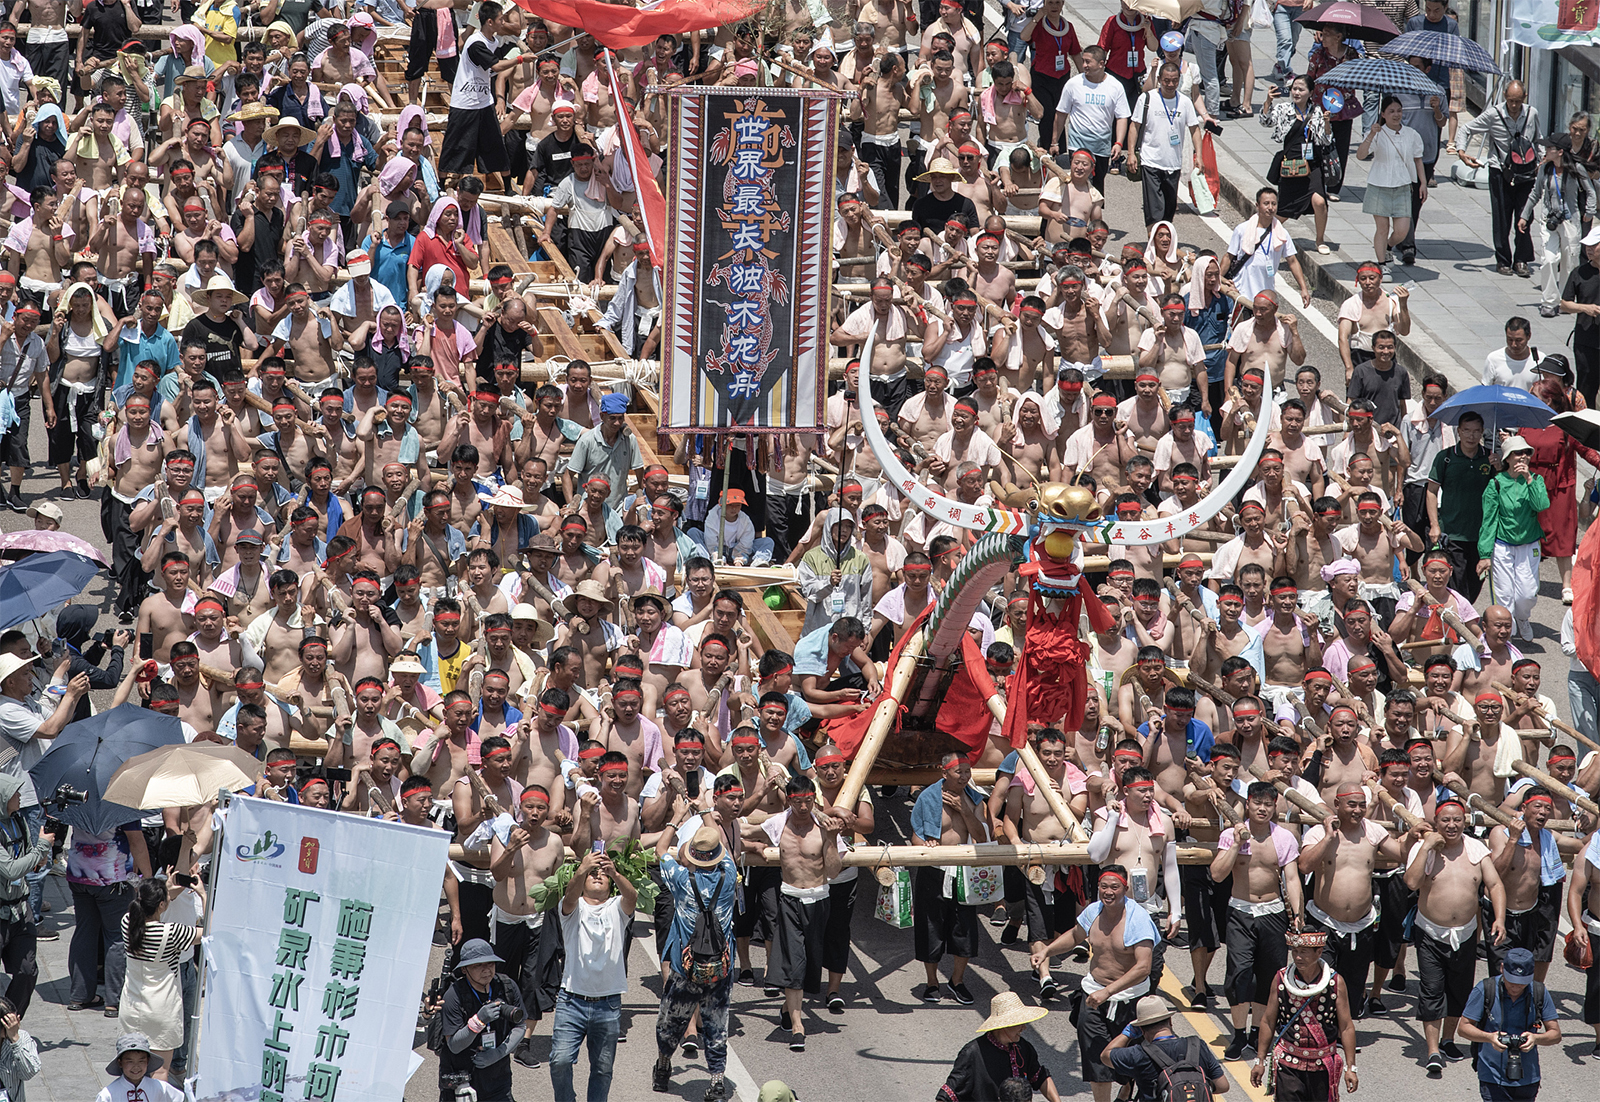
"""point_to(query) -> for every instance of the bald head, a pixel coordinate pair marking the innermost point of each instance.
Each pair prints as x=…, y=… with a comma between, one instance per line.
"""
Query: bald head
x=1516, y=94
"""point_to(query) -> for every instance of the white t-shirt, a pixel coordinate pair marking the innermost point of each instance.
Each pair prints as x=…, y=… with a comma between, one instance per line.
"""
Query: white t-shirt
x=1501, y=370
x=1093, y=111
x=596, y=938
x=1262, y=260
x=1163, y=123
x=1394, y=157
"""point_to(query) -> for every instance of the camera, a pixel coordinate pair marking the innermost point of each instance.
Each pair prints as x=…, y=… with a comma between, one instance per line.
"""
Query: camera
x=512, y=1015
x=67, y=796
x=1514, y=1043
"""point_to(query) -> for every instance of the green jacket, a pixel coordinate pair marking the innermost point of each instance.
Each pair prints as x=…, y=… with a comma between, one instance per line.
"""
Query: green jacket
x=1511, y=509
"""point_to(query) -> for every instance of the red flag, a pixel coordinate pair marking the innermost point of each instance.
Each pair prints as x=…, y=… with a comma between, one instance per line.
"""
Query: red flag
x=652, y=204
x=1586, y=599
x=621, y=27
x=848, y=731
x=964, y=711
x=1208, y=165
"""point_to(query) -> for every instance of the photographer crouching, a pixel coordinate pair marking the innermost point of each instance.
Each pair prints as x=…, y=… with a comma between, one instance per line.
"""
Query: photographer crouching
x=482, y=1021
x=1509, y=1016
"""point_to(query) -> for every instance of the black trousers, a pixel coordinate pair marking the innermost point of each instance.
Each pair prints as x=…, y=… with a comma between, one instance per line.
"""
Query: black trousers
x=1591, y=981
x=836, y=939
x=472, y=138
x=1395, y=901
x=1256, y=951
x=19, y=942
x=133, y=583
x=1341, y=144
x=1047, y=90
x=518, y=945
x=1160, y=194
x=788, y=517
x=49, y=59
x=1585, y=361
x=14, y=444
x=884, y=161
x=1507, y=196
x=1464, y=577
x=583, y=249
x=1414, y=515
x=64, y=443
x=1409, y=245
x=1350, y=955
x=1445, y=976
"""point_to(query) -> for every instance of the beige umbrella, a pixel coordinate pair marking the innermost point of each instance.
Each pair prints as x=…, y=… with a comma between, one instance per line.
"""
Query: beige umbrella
x=1175, y=10
x=182, y=775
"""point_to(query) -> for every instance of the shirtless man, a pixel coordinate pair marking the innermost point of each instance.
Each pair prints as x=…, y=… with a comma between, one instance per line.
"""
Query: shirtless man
x=1121, y=938
x=39, y=247
x=609, y=814
x=441, y=755
x=1270, y=342
x=200, y=701
x=1139, y=835
x=485, y=429
x=1477, y=667
x=1101, y=447
x=1261, y=857
x=369, y=636
x=308, y=337
x=947, y=813
x=1343, y=852
x=935, y=94
x=1533, y=896
x=894, y=327
x=182, y=532
x=370, y=530
x=225, y=445
x=1477, y=752
x=629, y=733
x=1029, y=819
x=380, y=771
x=124, y=247
x=1344, y=759
x=530, y=853
x=162, y=620
x=1069, y=203
x=1449, y=872
x=808, y=858
x=1145, y=413
x=1176, y=354
x=1291, y=642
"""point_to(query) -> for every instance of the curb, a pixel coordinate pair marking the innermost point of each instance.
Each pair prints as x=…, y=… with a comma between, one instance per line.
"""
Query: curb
x=1418, y=352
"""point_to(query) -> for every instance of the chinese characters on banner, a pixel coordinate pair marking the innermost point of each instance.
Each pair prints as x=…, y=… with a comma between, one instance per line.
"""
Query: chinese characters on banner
x=749, y=219
x=1551, y=24
x=320, y=930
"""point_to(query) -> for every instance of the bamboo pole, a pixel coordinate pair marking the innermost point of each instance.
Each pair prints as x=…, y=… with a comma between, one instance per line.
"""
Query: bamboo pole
x=1092, y=563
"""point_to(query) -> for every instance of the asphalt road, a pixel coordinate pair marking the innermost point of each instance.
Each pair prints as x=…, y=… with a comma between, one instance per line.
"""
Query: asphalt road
x=886, y=1045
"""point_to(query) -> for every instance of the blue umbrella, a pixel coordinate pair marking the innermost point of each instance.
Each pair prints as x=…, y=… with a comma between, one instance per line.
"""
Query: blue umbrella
x=1380, y=74
x=1502, y=407
x=41, y=583
x=87, y=752
x=1444, y=49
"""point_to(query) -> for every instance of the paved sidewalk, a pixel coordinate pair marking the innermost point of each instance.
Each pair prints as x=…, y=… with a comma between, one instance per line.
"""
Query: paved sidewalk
x=1459, y=305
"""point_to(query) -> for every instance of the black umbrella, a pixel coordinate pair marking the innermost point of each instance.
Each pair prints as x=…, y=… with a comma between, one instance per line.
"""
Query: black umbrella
x=1583, y=425
x=82, y=758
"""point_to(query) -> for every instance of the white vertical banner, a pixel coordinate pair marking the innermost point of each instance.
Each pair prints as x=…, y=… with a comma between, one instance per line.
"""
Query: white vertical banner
x=316, y=948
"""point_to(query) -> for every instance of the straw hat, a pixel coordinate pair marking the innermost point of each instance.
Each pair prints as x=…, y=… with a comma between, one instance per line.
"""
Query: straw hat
x=201, y=296
x=270, y=135
x=587, y=588
x=704, y=850
x=941, y=167
x=543, y=631
x=508, y=497
x=10, y=664
x=1007, y=1009
x=193, y=73
x=651, y=593
x=256, y=110
x=544, y=541
x=407, y=665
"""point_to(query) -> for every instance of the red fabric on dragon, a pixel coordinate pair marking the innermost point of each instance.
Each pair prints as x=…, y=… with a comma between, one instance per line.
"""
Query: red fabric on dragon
x=964, y=712
x=848, y=731
x=1051, y=683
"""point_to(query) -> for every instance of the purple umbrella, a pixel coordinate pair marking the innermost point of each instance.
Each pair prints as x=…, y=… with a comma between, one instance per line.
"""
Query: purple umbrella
x=1354, y=20
x=31, y=540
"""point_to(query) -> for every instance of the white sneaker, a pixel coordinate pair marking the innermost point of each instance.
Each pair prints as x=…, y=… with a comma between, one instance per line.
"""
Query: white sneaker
x=1525, y=632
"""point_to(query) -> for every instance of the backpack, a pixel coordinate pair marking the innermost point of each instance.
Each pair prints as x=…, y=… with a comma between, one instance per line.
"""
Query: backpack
x=1491, y=986
x=1179, y=1080
x=705, y=951
x=1522, y=157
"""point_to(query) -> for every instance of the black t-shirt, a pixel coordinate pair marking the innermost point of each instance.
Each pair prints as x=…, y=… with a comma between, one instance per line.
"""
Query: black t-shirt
x=500, y=347
x=222, y=340
x=106, y=24
x=264, y=250
x=461, y=1002
x=1583, y=285
x=1386, y=390
x=388, y=362
x=931, y=213
x=552, y=158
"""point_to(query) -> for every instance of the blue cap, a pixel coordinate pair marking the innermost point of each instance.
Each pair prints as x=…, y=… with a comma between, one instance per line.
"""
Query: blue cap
x=614, y=403
x=1518, y=966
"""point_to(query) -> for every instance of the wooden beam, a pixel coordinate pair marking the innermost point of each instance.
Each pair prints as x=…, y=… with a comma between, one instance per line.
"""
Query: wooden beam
x=989, y=853
x=765, y=625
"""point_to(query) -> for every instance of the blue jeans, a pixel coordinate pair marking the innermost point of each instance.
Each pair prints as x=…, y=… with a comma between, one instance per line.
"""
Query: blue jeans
x=1288, y=33
x=600, y=1020
x=189, y=977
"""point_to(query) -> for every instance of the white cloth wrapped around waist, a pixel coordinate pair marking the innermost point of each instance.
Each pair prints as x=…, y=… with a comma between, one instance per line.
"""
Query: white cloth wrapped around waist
x=506, y=918
x=1256, y=910
x=805, y=895
x=1346, y=928
x=1090, y=985
x=1453, y=936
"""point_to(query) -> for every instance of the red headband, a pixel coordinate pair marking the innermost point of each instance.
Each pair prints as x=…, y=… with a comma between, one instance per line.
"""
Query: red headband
x=625, y=694
x=830, y=758
x=614, y=767
x=497, y=752
x=533, y=794
x=1115, y=875
x=746, y=740
x=591, y=753
x=1131, y=785
x=1561, y=755
x=1318, y=675
x=1337, y=708
x=1537, y=797
x=1481, y=697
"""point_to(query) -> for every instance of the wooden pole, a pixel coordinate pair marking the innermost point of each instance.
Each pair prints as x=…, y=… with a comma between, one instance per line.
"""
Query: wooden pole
x=1446, y=613
x=1556, y=786
x=1508, y=691
x=987, y=853
x=1411, y=821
